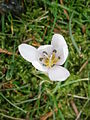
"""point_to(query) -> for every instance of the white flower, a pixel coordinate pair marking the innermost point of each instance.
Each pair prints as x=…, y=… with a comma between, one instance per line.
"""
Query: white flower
x=48, y=58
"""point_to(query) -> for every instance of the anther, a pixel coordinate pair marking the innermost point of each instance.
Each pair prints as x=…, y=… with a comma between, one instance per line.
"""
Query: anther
x=40, y=59
x=53, y=65
x=44, y=65
x=58, y=57
x=44, y=52
x=54, y=50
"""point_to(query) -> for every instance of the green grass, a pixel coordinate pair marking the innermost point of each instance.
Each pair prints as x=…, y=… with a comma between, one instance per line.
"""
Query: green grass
x=28, y=94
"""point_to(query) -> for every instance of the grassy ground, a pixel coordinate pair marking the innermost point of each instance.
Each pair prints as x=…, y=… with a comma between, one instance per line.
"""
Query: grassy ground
x=27, y=94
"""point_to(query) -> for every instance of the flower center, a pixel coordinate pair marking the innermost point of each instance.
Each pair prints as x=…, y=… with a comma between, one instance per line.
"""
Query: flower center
x=49, y=60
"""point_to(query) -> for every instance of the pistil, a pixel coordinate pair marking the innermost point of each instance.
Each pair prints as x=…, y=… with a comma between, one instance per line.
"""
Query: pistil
x=51, y=60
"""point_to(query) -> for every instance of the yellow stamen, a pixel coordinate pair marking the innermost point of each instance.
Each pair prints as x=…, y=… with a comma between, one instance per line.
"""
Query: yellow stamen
x=50, y=60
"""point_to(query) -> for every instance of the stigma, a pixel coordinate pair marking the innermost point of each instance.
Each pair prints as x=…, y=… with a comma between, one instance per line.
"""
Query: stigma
x=49, y=60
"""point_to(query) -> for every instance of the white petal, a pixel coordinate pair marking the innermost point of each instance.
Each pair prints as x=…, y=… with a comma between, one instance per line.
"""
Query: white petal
x=58, y=73
x=63, y=54
x=58, y=41
x=38, y=66
x=28, y=52
x=46, y=48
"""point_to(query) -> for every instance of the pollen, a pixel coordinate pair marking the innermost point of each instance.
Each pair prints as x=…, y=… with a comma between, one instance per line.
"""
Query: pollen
x=50, y=61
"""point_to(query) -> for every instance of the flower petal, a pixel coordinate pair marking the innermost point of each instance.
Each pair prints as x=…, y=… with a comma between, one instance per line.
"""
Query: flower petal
x=28, y=52
x=58, y=73
x=58, y=42
x=46, y=48
x=38, y=66
x=62, y=53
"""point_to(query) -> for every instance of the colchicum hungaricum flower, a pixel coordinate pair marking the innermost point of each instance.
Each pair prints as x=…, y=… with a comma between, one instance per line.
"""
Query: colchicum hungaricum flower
x=48, y=58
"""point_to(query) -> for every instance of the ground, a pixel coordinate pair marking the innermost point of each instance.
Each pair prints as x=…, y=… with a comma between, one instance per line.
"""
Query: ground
x=28, y=94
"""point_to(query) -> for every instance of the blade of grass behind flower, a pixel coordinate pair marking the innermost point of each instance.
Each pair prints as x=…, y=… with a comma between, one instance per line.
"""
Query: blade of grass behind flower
x=70, y=32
